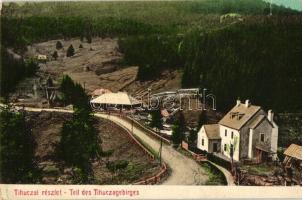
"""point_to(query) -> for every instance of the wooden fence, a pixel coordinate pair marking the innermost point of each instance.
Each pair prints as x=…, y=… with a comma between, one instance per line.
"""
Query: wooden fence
x=147, y=130
x=155, y=179
x=139, y=125
x=195, y=156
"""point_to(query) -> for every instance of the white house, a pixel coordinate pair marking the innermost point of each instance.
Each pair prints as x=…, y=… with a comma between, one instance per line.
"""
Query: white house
x=209, y=138
x=246, y=130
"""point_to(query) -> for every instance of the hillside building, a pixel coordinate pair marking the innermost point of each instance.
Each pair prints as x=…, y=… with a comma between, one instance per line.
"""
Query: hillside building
x=246, y=130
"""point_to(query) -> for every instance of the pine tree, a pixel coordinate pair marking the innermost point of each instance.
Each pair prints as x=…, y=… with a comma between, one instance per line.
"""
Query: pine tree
x=192, y=137
x=74, y=93
x=80, y=143
x=181, y=121
x=70, y=51
x=156, y=121
x=66, y=87
x=81, y=99
x=178, y=128
x=59, y=45
x=176, y=133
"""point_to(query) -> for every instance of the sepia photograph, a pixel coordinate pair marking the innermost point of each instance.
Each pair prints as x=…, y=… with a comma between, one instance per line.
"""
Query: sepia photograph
x=151, y=99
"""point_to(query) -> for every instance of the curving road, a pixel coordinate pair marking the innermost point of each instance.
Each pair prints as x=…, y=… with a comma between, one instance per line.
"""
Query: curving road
x=184, y=171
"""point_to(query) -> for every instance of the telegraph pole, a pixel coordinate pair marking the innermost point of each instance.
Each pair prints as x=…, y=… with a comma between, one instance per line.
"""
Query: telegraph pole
x=160, y=150
x=132, y=123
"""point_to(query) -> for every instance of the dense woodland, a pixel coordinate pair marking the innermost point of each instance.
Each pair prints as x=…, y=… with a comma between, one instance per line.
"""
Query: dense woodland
x=258, y=59
x=152, y=54
x=261, y=61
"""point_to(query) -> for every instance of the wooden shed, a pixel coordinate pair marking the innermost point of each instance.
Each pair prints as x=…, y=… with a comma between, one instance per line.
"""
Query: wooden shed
x=293, y=154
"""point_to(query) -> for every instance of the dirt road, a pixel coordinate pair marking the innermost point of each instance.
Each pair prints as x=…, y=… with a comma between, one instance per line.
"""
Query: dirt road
x=184, y=171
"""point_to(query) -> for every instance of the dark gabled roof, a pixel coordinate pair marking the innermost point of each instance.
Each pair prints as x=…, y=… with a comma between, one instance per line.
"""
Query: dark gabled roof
x=241, y=115
x=212, y=131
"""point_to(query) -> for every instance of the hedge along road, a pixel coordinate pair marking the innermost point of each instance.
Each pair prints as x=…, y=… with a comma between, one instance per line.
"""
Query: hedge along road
x=184, y=171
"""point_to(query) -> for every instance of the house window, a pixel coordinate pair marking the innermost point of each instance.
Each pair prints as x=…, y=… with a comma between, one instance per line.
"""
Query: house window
x=202, y=142
x=262, y=137
x=232, y=135
x=225, y=133
x=225, y=147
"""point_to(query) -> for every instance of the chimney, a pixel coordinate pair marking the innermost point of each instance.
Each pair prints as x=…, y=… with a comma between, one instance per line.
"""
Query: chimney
x=270, y=115
x=238, y=102
x=247, y=103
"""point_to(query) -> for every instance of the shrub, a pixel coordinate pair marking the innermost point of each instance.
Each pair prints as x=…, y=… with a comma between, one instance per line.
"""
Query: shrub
x=31, y=67
x=192, y=137
x=219, y=161
x=51, y=170
x=55, y=55
x=70, y=51
x=59, y=45
x=280, y=154
x=79, y=176
x=117, y=165
x=156, y=121
x=107, y=153
x=176, y=134
x=216, y=177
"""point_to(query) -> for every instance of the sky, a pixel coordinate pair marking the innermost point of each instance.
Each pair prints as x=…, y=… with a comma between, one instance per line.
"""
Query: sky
x=294, y=4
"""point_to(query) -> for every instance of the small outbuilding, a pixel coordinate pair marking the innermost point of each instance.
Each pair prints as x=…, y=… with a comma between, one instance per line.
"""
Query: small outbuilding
x=41, y=58
x=293, y=154
x=209, y=138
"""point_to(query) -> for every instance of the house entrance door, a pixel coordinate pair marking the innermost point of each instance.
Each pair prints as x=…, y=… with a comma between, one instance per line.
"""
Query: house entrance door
x=215, y=147
x=261, y=156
